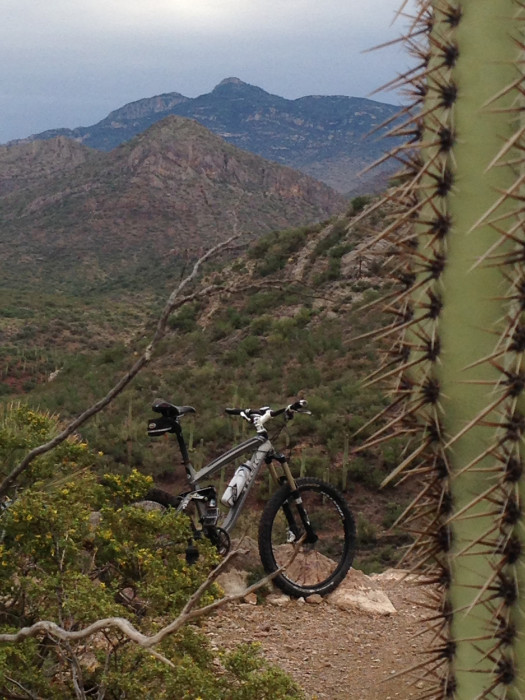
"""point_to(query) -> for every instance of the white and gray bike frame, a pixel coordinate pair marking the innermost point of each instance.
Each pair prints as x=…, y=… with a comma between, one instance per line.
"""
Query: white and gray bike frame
x=263, y=453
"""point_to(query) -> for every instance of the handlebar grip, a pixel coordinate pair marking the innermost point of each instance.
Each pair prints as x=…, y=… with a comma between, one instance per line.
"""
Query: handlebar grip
x=302, y=403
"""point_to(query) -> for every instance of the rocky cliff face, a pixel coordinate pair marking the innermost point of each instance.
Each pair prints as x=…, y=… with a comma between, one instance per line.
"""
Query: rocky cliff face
x=31, y=163
x=172, y=191
x=329, y=138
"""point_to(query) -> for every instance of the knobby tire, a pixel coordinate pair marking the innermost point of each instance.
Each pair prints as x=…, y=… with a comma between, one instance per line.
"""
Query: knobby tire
x=318, y=567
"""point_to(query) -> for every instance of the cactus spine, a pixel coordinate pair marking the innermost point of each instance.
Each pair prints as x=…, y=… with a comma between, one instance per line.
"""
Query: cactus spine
x=459, y=238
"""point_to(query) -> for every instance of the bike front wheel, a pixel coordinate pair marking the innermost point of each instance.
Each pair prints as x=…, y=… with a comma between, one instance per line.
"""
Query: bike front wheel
x=311, y=533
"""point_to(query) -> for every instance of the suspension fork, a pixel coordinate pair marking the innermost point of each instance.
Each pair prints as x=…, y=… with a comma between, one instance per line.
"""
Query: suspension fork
x=294, y=499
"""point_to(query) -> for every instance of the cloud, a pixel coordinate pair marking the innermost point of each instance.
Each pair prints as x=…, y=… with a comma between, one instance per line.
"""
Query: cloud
x=38, y=21
x=64, y=63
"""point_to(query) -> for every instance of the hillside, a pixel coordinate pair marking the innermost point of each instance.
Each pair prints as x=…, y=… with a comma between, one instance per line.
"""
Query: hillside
x=327, y=137
x=286, y=325
x=76, y=218
x=30, y=164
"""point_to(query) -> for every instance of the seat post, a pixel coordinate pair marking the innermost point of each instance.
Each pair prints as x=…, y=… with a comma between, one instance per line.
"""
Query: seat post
x=190, y=472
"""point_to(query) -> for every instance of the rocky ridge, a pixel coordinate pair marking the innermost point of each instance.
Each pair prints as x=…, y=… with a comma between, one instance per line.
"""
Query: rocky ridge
x=172, y=191
x=331, y=138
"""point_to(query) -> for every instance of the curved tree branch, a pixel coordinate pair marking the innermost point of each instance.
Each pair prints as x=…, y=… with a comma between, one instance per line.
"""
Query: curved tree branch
x=132, y=633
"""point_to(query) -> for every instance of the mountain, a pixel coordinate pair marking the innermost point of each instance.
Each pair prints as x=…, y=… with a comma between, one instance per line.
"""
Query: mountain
x=71, y=215
x=327, y=137
x=32, y=163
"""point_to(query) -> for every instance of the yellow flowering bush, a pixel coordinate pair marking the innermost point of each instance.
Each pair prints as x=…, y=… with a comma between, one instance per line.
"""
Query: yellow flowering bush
x=22, y=429
x=75, y=548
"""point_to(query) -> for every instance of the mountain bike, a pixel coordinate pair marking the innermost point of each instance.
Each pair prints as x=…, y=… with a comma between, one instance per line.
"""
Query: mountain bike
x=305, y=518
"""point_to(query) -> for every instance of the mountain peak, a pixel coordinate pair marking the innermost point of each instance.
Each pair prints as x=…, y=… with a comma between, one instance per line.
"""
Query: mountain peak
x=325, y=137
x=231, y=81
x=237, y=86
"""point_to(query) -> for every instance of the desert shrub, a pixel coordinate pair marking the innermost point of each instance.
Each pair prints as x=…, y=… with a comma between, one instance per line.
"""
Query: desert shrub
x=23, y=428
x=112, y=355
x=339, y=250
x=330, y=273
x=392, y=513
x=359, y=203
x=376, y=558
x=185, y=320
x=220, y=328
x=251, y=345
x=264, y=372
x=261, y=324
x=260, y=680
x=366, y=471
x=366, y=532
x=74, y=549
x=302, y=378
x=392, y=454
x=273, y=251
x=262, y=302
x=337, y=233
x=236, y=357
x=315, y=465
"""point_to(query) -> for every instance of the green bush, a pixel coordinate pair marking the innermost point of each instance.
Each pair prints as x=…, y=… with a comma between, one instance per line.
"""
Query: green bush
x=74, y=549
x=251, y=345
x=359, y=203
x=337, y=232
x=220, y=328
x=366, y=532
x=330, y=273
x=261, y=324
x=365, y=471
x=392, y=513
x=264, y=302
x=185, y=320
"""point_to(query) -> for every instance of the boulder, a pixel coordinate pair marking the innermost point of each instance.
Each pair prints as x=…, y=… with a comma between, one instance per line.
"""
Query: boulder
x=359, y=592
x=233, y=581
x=248, y=557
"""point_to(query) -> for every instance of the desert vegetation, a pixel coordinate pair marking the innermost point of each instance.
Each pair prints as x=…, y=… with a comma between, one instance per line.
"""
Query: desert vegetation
x=280, y=329
x=74, y=548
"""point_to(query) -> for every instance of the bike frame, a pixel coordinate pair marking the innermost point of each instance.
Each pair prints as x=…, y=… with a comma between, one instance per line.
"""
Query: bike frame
x=262, y=453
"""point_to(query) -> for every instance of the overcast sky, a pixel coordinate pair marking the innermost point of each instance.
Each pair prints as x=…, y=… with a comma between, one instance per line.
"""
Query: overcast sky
x=67, y=63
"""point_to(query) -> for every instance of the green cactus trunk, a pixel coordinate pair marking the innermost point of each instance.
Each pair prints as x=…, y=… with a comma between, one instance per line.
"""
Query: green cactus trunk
x=461, y=349
x=473, y=311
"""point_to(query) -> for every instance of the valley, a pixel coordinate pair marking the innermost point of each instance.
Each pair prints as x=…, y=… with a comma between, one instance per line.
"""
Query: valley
x=94, y=240
x=284, y=326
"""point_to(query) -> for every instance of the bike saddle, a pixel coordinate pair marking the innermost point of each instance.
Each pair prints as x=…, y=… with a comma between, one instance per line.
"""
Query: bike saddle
x=169, y=410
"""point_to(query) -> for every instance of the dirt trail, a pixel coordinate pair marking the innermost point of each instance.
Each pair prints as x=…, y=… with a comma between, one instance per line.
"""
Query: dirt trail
x=335, y=654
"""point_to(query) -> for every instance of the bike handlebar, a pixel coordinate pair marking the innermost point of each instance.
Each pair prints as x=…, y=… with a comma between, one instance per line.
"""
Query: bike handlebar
x=259, y=416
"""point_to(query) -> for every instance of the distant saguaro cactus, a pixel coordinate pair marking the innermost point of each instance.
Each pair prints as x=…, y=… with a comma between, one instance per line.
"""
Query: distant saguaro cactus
x=458, y=242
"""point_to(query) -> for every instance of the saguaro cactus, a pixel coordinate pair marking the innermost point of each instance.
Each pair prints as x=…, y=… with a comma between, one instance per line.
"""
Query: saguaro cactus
x=459, y=328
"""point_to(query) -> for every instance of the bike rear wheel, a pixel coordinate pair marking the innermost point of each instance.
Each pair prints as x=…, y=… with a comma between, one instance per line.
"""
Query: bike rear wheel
x=323, y=553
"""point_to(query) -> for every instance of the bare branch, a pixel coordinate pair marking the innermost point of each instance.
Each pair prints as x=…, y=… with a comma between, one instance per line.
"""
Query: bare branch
x=28, y=693
x=174, y=302
x=121, y=624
